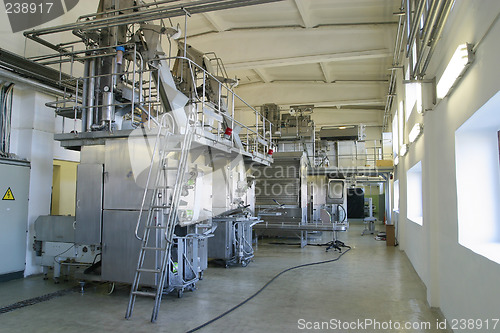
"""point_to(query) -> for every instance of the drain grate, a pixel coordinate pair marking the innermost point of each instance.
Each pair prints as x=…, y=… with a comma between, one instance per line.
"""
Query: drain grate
x=35, y=300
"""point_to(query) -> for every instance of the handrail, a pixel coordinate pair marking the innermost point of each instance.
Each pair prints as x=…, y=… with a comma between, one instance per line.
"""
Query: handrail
x=160, y=127
x=259, y=117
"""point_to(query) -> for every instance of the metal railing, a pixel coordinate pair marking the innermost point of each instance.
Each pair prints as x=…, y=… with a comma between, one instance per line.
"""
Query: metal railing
x=214, y=113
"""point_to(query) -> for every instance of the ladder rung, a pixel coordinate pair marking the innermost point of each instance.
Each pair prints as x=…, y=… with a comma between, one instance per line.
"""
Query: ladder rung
x=153, y=248
x=148, y=270
x=144, y=293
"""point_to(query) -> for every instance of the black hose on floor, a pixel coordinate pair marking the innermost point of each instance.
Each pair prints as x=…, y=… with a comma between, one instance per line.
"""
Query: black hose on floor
x=264, y=287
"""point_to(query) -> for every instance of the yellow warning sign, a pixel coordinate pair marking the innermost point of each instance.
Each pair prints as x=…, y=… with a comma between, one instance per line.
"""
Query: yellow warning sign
x=8, y=195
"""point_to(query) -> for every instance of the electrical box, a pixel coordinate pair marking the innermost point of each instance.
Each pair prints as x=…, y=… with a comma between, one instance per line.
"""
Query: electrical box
x=14, y=188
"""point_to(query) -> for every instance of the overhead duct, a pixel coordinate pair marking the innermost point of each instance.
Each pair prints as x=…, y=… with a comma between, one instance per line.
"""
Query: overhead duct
x=338, y=133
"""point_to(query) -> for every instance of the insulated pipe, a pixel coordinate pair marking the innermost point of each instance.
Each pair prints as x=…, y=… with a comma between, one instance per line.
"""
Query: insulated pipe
x=32, y=83
x=91, y=95
x=85, y=95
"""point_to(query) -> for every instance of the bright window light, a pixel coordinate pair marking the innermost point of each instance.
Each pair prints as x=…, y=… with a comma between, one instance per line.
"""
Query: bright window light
x=395, y=135
x=404, y=150
x=477, y=149
x=414, y=203
x=395, y=204
x=415, y=132
x=460, y=60
x=401, y=119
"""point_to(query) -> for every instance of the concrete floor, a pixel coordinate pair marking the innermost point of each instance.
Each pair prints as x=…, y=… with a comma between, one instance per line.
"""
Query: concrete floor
x=371, y=281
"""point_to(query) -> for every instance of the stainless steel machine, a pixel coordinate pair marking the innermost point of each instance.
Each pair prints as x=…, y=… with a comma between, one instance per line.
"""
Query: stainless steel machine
x=153, y=131
x=234, y=186
x=281, y=194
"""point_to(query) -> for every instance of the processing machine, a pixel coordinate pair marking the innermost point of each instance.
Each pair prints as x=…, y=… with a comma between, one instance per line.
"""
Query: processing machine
x=158, y=141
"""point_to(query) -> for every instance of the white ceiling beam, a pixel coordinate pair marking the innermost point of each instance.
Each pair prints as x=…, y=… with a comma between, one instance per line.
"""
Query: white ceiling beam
x=361, y=27
x=263, y=75
x=331, y=104
x=304, y=83
x=215, y=22
x=308, y=59
x=327, y=75
x=303, y=12
x=339, y=103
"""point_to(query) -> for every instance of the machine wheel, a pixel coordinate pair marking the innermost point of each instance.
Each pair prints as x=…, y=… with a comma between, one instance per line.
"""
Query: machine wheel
x=201, y=276
x=244, y=263
x=180, y=293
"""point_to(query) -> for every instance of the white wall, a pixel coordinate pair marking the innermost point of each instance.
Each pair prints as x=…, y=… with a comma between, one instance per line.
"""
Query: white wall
x=32, y=138
x=462, y=283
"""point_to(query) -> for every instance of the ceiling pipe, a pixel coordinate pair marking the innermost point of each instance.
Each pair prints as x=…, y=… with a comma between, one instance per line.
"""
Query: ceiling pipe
x=32, y=83
x=398, y=45
x=429, y=29
x=430, y=20
x=437, y=36
x=414, y=25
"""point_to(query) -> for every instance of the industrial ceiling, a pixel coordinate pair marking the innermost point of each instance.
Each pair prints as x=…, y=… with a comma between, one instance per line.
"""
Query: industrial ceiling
x=333, y=54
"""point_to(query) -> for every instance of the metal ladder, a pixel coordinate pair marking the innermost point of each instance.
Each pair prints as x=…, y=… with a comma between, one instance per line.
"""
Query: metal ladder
x=158, y=204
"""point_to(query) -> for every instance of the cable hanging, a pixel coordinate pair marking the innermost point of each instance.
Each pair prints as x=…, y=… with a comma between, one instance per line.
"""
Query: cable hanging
x=6, y=92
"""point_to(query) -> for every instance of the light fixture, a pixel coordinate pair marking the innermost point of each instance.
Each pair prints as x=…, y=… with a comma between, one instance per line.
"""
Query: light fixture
x=342, y=127
x=459, y=62
x=403, y=150
x=415, y=132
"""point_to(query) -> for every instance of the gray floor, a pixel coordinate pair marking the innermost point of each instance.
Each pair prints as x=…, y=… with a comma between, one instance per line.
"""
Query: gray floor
x=371, y=281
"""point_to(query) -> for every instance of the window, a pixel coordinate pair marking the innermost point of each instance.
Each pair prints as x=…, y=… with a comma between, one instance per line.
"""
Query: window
x=395, y=135
x=478, y=181
x=414, y=211
x=395, y=204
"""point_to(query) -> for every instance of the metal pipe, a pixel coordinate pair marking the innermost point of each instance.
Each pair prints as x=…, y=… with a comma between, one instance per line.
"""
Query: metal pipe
x=408, y=17
x=414, y=27
x=428, y=30
x=85, y=95
x=397, y=42
x=75, y=107
x=144, y=5
x=57, y=55
x=60, y=61
x=147, y=15
x=431, y=20
x=32, y=83
x=389, y=99
x=440, y=29
x=91, y=95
